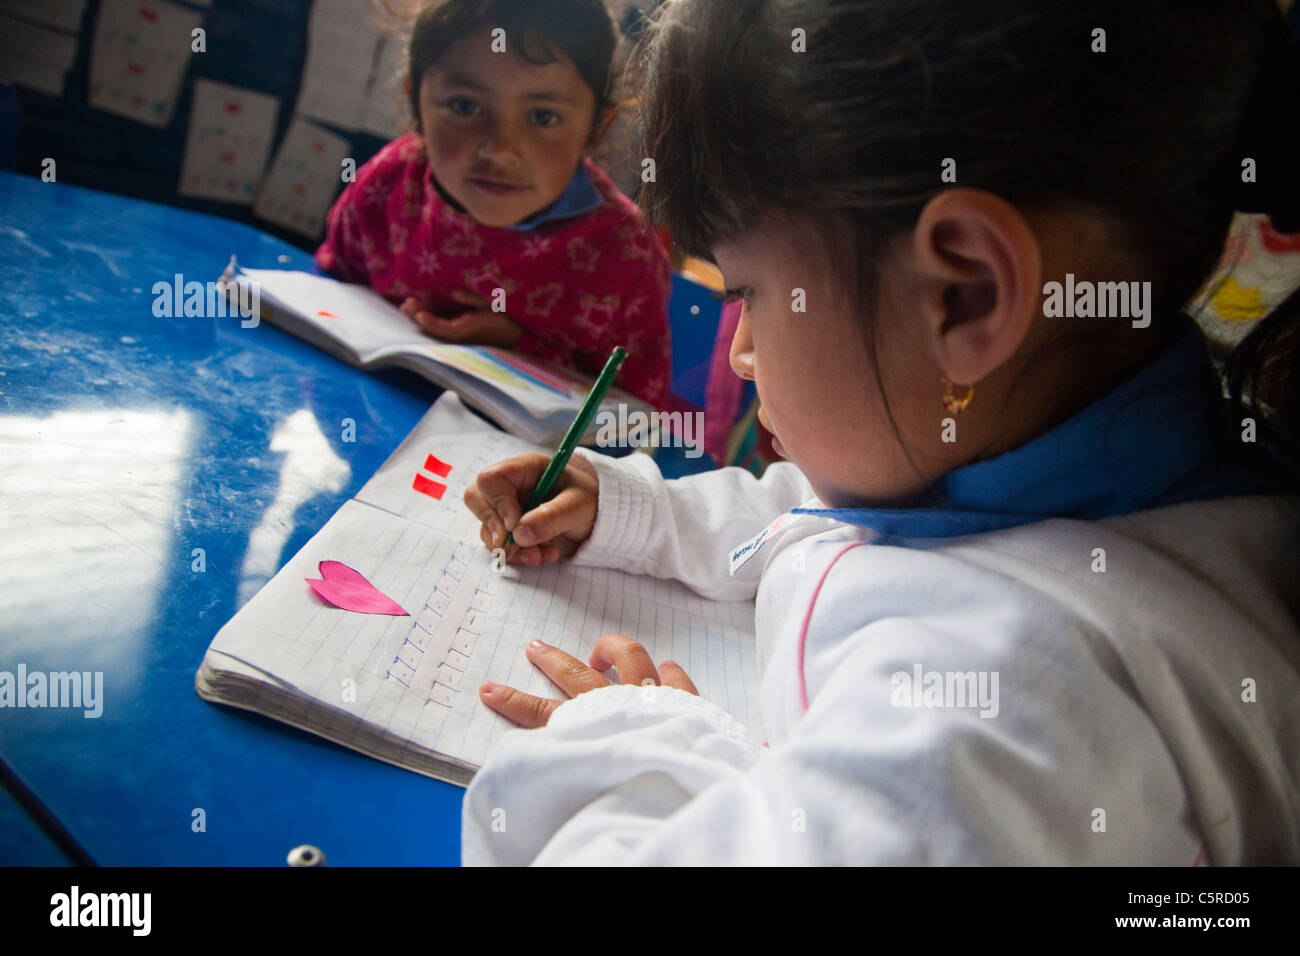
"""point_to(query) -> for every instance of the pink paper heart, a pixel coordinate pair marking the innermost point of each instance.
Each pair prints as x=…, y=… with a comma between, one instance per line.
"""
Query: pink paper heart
x=343, y=587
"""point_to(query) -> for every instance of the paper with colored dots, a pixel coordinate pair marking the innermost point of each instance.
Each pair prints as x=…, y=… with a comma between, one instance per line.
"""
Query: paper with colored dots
x=304, y=178
x=228, y=143
x=138, y=57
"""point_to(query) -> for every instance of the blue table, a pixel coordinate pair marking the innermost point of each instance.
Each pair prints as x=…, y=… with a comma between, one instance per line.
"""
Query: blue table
x=154, y=473
x=127, y=441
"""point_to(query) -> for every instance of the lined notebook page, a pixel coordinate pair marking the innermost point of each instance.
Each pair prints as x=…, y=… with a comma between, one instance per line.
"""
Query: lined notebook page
x=417, y=677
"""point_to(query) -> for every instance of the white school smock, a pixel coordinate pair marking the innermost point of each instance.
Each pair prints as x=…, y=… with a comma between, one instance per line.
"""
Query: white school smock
x=1147, y=713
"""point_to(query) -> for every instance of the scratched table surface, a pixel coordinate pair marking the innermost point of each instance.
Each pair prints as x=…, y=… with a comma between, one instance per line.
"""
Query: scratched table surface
x=154, y=473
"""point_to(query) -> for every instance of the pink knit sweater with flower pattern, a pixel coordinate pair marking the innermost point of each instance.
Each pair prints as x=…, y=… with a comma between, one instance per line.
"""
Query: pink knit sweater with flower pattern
x=578, y=286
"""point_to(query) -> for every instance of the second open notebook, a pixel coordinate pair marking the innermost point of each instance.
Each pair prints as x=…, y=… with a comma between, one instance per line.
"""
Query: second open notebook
x=404, y=689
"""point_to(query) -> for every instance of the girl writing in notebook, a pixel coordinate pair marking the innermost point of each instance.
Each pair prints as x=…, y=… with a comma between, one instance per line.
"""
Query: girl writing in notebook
x=488, y=223
x=1022, y=594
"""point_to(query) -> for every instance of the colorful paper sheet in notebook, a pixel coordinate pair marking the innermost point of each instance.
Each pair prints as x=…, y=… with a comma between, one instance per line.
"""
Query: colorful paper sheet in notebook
x=404, y=688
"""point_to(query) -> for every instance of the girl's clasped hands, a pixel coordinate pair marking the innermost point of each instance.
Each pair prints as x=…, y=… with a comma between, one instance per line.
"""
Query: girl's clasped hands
x=479, y=324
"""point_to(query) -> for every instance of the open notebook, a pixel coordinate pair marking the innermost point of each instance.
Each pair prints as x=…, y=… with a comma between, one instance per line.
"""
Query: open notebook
x=405, y=689
x=531, y=399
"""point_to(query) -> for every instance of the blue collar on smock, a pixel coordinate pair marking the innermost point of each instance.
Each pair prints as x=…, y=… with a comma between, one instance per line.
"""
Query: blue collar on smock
x=579, y=197
x=1149, y=442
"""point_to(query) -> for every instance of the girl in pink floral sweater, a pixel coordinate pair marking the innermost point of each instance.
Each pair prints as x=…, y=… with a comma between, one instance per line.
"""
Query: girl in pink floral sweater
x=488, y=224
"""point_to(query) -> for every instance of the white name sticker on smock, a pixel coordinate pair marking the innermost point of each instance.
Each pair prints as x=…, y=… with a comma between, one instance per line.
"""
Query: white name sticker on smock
x=743, y=552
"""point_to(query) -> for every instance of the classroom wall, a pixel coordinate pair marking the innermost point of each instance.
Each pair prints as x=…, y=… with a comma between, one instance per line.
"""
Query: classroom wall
x=258, y=45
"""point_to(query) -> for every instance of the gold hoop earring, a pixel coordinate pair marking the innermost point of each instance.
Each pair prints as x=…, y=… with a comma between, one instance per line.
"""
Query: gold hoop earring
x=953, y=404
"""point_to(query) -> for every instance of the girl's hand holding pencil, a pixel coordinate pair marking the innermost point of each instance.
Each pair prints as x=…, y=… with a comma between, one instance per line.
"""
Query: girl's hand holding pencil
x=558, y=520
x=562, y=495
x=554, y=529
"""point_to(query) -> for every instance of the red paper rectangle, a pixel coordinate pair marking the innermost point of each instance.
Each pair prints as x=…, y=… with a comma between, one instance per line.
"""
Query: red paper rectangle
x=427, y=486
x=439, y=468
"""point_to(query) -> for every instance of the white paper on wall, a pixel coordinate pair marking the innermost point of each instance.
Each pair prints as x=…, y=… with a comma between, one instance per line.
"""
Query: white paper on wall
x=35, y=56
x=342, y=42
x=228, y=142
x=138, y=56
x=384, y=111
x=303, y=179
x=31, y=73
x=61, y=14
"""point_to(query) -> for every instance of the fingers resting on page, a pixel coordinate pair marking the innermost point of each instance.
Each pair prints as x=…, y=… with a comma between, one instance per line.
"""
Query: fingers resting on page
x=554, y=529
x=633, y=662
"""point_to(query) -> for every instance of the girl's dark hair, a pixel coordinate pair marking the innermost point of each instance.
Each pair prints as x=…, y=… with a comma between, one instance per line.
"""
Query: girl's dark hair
x=537, y=32
x=849, y=136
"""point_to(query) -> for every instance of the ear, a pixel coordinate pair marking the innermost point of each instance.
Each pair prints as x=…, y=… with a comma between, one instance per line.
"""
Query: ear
x=980, y=269
x=598, y=130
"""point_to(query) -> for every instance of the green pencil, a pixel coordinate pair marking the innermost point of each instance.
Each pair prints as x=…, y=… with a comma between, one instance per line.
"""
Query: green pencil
x=571, y=438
